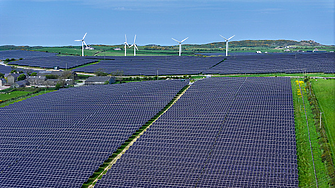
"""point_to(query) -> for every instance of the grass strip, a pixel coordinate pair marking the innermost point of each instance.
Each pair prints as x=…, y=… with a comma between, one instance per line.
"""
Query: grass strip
x=304, y=157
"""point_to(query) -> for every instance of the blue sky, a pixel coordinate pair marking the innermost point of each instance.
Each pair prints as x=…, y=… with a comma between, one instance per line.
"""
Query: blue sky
x=60, y=22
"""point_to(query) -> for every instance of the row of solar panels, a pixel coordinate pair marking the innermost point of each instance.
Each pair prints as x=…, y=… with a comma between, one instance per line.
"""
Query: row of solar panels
x=59, y=139
x=277, y=63
x=169, y=65
x=17, y=54
x=220, y=129
x=231, y=145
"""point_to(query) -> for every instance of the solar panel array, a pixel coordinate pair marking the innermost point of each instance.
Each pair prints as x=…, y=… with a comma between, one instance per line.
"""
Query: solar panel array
x=5, y=69
x=170, y=65
x=149, y=65
x=59, y=139
x=223, y=132
x=276, y=63
x=50, y=62
x=17, y=54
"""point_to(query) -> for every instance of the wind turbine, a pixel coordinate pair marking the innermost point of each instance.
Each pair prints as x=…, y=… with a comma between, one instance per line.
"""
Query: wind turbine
x=135, y=46
x=125, y=45
x=179, y=44
x=227, y=40
x=82, y=44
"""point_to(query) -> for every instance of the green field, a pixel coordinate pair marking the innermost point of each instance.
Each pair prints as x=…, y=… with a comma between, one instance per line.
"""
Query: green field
x=12, y=95
x=20, y=98
x=325, y=93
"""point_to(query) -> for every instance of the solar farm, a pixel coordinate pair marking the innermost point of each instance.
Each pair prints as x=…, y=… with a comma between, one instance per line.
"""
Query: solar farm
x=276, y=63
x=63, y=62
x=17, y=54
x=214, y=131
x=185, y=65
x=206, y=138
x=61, y=138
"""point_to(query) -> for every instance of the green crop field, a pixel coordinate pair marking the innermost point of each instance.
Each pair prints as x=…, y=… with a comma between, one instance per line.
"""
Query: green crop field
x=13, y=94
x=325, y=93
x=18, y=99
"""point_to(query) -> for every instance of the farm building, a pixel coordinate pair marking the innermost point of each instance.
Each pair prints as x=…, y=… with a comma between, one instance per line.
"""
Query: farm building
x=99, y=80
x=2, y=81
x=36, y=80
x=21, y=83
x=12, y=78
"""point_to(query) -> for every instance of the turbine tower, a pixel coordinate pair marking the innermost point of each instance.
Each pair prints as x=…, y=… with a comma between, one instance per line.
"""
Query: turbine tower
x=125, y=45
x=82, y=44
x=135, y=46
x=227, y=40
x=180, y=44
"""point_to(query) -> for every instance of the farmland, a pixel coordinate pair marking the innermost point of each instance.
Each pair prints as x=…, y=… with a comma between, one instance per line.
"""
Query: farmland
x=325, y=92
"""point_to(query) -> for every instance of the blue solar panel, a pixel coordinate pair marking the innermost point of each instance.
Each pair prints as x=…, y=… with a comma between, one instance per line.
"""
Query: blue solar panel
x=276, y=63
x=149, y=65
x=17, y=54
x=62, y=62
x=223, y=132
x=61, y=138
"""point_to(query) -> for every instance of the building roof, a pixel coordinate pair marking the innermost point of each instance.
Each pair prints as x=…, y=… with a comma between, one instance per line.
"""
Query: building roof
x=15, y=75
x=22, y=82
x=36, y=77
x=98, y=79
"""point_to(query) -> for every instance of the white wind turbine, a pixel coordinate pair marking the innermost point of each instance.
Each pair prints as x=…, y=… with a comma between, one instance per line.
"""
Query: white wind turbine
x=125, y=45
x=227, y=40
x=82, y=44
x=135, y=46
x=179, y=44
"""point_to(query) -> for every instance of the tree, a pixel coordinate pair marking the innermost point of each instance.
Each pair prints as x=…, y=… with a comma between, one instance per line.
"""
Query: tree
x=2, y=75
x=118, y=75
x=21, y=77
x=58, y=85
x=100, y=72
x=13, y=69
x=51, y=76
x=33, y=74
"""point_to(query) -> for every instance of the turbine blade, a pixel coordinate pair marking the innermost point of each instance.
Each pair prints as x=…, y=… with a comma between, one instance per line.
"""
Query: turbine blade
x=175, y=40
x=184, y=40
x=231, y=37
x=85, y=43
x=84, y=36
x=125, y=38
x=135, y=46
x=134, y=39
x=223, y=37
x=77, y=40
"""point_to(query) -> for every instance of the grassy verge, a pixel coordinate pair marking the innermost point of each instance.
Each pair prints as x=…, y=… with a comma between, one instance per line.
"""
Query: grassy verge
x=85, y=65
x=304, y=157
x=98, y=174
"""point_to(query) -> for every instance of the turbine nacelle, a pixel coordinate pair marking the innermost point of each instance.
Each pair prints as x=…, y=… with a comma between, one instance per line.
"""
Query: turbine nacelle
x=135, y=46
x=180, y=44
x=82, y=44
x=227, y=40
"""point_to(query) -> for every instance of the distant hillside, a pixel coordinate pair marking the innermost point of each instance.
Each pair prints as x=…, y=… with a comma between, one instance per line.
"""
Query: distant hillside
x=262, y=43
x=210, y=46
